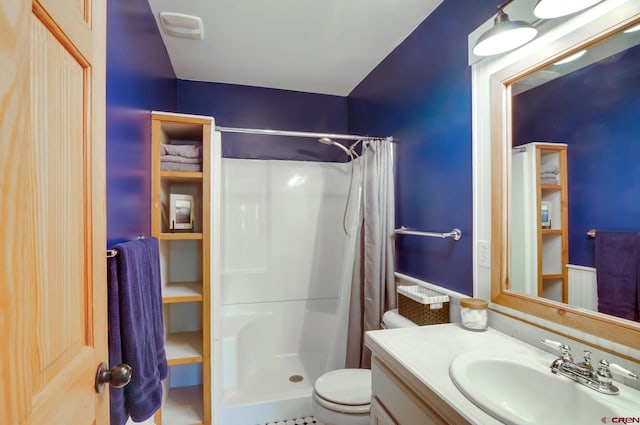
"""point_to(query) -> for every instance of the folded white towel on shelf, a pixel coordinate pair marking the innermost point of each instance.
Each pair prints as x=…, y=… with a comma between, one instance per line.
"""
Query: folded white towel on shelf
x=177, y=166
x=550, y=168
x=185, y=151
x=180, y=159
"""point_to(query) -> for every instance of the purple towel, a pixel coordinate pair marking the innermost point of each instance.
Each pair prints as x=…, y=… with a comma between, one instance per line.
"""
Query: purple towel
x=139, y=321
x=617, y=263
x=156, y=298
x=116, y=395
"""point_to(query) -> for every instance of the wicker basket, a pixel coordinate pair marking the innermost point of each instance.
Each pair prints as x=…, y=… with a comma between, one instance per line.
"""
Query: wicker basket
x=423, y=306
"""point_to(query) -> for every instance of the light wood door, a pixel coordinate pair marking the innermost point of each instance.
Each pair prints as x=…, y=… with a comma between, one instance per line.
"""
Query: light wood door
x=53, y=321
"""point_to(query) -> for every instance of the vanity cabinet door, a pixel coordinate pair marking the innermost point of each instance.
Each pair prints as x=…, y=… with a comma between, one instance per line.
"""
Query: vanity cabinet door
x=400, y=404
x=379, y=416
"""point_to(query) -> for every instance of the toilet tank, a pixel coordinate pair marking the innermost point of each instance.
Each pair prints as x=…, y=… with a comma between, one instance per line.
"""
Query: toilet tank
x=392, y=320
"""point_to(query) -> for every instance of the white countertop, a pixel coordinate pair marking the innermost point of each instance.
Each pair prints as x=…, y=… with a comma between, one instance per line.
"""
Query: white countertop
x=427, y=351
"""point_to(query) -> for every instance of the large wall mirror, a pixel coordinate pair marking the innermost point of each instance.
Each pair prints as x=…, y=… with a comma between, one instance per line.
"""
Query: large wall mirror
x=565, y=134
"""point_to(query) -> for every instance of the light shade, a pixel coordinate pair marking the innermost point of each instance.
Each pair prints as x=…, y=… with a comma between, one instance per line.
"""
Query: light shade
x=505, y=35
x=548, y=9
x=571, y=58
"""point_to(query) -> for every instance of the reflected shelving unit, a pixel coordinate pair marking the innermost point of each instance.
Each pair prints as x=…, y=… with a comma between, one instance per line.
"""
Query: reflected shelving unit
x=552, y=234
x=539, y=224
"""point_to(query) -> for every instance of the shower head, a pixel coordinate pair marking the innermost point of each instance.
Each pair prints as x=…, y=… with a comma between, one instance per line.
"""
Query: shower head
x=328, y=141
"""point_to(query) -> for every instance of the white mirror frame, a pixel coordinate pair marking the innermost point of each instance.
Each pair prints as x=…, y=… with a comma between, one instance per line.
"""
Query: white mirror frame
x=491, y=80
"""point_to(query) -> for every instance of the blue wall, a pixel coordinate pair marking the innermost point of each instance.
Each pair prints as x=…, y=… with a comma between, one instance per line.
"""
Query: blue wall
x=421, y=94
x=595, y=111
x=140, y=78
x=255, y=107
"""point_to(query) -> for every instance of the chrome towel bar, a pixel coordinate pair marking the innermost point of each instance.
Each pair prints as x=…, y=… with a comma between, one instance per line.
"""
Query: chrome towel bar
x=113, y=252
x=455, y=234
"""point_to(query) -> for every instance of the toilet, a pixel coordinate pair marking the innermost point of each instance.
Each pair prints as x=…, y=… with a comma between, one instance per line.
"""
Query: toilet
x=343, y=396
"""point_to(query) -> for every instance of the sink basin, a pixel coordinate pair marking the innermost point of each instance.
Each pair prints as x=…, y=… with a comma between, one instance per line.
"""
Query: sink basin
x=522, y=390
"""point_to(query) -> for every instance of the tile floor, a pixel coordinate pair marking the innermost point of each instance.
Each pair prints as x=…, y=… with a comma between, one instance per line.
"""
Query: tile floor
x=309, y=420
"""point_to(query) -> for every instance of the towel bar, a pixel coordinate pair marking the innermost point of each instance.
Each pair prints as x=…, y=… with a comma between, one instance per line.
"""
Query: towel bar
x=456, y=234
x=113, y=252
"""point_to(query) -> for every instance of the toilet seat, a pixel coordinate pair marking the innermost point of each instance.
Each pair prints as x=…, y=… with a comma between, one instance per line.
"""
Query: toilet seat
x=344, y=390
x=343, y=396
x=358, y=409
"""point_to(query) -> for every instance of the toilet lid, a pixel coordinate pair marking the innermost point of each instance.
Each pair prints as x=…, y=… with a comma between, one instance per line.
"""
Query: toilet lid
x=345, y=386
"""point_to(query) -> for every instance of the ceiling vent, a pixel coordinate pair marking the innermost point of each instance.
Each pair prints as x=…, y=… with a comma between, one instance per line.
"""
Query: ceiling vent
x=182, y=26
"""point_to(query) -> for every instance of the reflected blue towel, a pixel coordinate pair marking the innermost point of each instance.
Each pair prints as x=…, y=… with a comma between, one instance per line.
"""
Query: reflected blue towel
x=617, y=263
x=139, y=317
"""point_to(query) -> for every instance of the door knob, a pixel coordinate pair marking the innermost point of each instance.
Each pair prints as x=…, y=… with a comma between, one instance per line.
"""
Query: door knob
x=118, y=376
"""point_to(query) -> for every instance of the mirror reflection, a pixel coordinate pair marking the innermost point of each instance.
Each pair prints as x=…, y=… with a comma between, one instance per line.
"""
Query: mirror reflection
x=575, y=167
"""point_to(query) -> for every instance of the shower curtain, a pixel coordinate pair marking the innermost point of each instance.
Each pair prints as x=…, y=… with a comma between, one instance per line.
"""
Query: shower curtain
x=373, y=283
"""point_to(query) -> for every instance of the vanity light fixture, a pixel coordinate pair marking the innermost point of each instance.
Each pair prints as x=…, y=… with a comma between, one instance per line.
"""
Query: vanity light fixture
x=505, y=35
x=548, y=9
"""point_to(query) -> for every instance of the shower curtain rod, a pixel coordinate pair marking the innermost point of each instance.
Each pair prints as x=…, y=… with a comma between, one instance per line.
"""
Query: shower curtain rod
x=298, y=134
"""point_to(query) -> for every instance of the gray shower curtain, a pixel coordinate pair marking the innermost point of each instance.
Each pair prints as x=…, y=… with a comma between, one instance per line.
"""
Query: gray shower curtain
x=373, y=284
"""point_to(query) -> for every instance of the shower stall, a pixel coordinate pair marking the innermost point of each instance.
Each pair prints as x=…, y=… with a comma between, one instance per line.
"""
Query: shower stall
x=281, y=305
x=282, y=259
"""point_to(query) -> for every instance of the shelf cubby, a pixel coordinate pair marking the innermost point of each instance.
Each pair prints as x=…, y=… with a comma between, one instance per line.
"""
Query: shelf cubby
x=184, y=406
x=182, y=292
x=184, y=347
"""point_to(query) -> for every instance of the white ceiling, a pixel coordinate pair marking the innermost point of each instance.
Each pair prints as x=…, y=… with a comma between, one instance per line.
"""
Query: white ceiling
x=316, y=46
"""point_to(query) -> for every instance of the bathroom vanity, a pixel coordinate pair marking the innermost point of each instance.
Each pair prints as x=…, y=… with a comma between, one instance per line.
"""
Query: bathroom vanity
x=398, y=399
x=410, y=375
x=412, y=384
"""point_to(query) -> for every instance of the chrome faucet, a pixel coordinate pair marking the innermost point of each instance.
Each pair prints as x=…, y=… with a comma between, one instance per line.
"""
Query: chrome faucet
x=599, y=379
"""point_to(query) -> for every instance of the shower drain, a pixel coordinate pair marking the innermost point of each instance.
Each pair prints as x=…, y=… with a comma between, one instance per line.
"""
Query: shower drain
x=296, y=378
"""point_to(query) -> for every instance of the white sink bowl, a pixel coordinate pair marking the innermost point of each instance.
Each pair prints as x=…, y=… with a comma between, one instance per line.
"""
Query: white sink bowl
x=523, y=391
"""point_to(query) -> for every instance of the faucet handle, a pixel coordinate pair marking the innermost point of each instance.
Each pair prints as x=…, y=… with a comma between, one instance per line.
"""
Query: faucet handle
x=616, y=368
x=553, y=344
x=564, y=349
x=603, y=375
